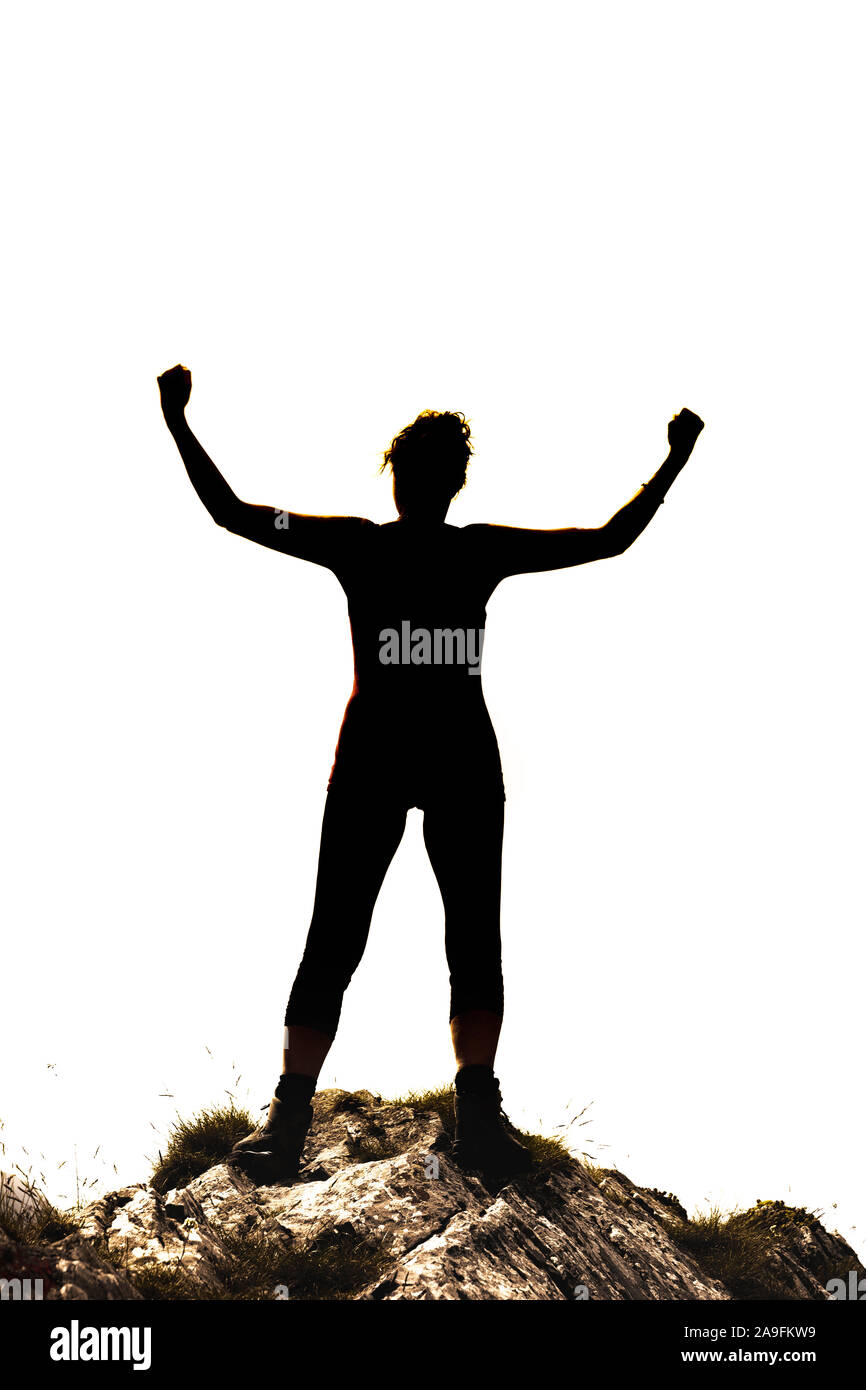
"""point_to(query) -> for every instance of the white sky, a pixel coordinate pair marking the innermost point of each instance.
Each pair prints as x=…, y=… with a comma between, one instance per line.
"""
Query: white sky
x=568, y=221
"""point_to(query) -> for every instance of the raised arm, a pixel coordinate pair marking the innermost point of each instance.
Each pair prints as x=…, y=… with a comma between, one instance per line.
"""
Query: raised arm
x=213, y=490
x=626, y=525
x=324, y=540
x=516, y=550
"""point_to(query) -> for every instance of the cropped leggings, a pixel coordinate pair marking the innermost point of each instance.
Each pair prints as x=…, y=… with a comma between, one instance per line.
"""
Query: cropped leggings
x=361, y=830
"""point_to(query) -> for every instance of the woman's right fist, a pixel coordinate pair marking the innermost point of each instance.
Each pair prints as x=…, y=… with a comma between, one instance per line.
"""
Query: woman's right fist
x=683, y=430
x=174, y=388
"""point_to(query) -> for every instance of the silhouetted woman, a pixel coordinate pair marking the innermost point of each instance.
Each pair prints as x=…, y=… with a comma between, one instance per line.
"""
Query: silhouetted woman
x=416, y=732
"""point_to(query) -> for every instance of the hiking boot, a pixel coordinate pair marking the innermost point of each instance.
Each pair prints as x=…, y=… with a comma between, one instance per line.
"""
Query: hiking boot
x=272, y=1153
x=485, y=1138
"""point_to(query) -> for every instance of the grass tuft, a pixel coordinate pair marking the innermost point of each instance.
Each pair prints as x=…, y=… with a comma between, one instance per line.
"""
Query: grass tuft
x=736, y=1248
x=336, y=1266
x=595, y=1172
x=198, y=1144
x=374, y=1147
x=549, y=1155
x=439, y=1099
x=27, y=1216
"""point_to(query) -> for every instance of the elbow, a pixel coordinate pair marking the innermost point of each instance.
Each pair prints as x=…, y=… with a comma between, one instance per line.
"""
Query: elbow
x=614, y=541
x=225, y=513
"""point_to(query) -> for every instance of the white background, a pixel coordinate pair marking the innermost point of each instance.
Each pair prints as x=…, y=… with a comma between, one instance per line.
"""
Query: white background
x=568, y=221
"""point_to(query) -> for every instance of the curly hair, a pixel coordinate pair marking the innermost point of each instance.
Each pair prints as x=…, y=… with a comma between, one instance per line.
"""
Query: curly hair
x=435, y=448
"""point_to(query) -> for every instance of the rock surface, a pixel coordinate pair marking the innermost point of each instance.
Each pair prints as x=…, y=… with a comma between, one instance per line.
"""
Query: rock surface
x=381, y=1174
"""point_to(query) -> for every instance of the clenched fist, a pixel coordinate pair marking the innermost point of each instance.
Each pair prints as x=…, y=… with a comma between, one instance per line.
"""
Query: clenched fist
x=174, y=389
x=683, y=430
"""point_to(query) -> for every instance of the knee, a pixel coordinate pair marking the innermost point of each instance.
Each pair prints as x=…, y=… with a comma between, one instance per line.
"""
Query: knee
x=324, y=972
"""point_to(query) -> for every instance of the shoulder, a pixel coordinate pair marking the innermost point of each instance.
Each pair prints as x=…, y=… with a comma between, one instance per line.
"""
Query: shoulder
x=359, y=524
x=484, y=536
x=336, y=528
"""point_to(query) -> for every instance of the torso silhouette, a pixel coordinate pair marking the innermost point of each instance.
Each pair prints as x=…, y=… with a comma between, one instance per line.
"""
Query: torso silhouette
x=416, y=716
x=416, y=724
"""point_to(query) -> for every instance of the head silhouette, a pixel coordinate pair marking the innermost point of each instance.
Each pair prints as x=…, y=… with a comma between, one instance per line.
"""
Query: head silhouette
x=429, y=459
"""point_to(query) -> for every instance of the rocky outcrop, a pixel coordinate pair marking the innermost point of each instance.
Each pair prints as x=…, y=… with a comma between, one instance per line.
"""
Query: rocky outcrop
x=70, y=1268
x=378, y=1181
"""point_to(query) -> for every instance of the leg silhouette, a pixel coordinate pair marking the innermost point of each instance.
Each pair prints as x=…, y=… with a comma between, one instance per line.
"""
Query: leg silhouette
x=360, y=836
x=464, y=844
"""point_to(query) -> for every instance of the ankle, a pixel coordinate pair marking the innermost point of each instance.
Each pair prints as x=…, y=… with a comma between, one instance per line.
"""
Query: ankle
x=475, y=1079
x=295, y=1088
